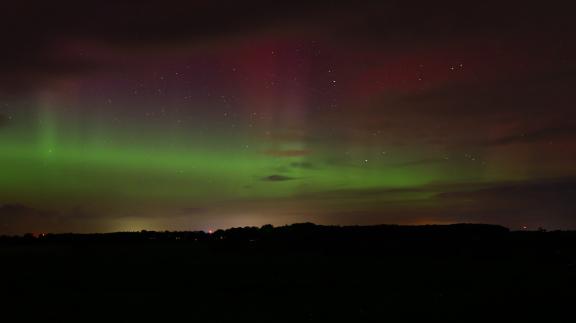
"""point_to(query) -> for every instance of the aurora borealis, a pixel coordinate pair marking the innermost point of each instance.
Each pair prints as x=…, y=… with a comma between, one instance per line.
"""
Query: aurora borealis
x=175, y=116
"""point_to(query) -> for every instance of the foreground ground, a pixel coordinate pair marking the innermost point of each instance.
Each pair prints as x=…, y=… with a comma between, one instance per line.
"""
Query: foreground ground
x=300, y=273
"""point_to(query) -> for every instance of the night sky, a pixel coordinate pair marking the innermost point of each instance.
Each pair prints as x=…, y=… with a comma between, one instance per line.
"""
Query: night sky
x=131, y=115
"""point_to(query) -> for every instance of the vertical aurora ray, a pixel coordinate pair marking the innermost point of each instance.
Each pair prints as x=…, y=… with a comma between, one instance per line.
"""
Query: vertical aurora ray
x=47, y=127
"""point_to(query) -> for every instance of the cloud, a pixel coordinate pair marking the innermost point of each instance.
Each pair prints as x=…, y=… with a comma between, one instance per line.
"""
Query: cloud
x=277, y=178
x=556, y=188
x=427, y=161
x=535, y=136
x=469, y=112
x=288, y=152
x=193, y=210
x=9, y=212
x=303, y=165
x=376, y=193
x=549, y=203
x=546, y=202
x=17, y=218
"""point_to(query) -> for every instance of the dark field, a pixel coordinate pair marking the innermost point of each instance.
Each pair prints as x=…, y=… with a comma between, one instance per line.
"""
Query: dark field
x=299, y=273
